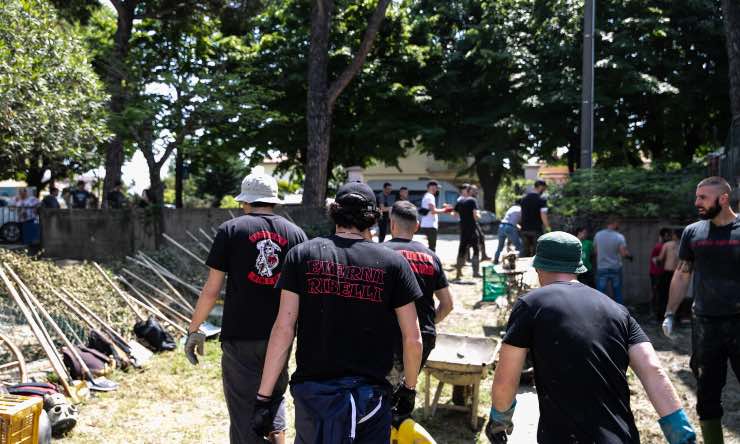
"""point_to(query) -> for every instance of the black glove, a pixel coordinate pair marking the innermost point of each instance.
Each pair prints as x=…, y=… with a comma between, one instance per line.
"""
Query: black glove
x=403, y=401
x=264, y=413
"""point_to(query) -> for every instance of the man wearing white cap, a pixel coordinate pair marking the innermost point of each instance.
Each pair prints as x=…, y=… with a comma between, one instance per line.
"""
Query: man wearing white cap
x=251, y=250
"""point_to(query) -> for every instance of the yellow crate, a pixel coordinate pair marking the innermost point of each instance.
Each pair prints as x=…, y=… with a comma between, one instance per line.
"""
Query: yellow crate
x=19, y=419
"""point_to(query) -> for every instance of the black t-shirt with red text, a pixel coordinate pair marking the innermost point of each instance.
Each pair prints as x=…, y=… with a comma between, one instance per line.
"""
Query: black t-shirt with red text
x=349, y=289
x=251, y=249
x=429, y=274
x=715, y=253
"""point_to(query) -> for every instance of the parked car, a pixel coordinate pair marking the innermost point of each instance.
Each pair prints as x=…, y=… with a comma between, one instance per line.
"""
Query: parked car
x=10, y=227
x=448, y=194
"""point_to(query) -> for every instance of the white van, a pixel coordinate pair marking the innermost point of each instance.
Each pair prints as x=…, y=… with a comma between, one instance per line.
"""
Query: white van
x=448, y=194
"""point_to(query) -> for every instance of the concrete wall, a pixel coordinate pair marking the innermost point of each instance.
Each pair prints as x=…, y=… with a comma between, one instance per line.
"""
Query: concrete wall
x=106, y=234
x=641, y=236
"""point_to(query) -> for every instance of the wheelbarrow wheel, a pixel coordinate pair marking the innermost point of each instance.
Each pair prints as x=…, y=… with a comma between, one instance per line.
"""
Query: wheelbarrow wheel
x=13, y=370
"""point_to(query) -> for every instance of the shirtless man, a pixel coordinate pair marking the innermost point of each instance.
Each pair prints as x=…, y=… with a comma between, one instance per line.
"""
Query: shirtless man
x=668, y=259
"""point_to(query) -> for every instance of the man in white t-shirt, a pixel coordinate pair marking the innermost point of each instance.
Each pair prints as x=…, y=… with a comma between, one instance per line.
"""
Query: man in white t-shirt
x=429, y=212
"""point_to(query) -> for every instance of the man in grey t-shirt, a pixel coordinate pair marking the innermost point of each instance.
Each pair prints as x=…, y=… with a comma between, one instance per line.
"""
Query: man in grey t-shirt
x=610, y=247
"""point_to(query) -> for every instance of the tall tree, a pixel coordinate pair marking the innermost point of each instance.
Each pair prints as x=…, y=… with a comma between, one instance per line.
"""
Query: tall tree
x=52, y=105
x=322, y=96
x=731, y=14
x=118, y=81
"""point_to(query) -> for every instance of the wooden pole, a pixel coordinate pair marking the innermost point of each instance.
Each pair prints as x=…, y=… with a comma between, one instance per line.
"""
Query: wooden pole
x=167, y=283
x=156, y=290
x=206, y=235
x=102, y=323
x=60, y=370
x=197, y=241
x=120, y=293
x=150, y=300
x=72, y=349
x=167, y=273
x=188, y=252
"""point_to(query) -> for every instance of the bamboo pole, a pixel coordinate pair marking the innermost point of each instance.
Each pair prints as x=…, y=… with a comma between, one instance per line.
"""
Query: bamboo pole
x=120, y=293
x=60, y=370
x=188, y=252
x=197, y=241
x=90, y=313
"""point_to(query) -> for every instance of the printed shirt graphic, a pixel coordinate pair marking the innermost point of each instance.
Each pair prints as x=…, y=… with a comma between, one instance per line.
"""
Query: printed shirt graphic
x=429, y=274
x=715, y=252
x=348, y=291
x=251, y=249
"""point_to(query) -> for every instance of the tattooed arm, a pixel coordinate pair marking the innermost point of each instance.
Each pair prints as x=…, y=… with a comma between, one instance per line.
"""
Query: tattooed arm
x=679, y=285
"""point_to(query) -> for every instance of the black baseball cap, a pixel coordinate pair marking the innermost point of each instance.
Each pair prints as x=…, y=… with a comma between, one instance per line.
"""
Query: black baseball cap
x=356, y=193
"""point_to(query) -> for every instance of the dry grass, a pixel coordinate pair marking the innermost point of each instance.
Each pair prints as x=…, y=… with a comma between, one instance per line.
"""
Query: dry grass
x=174, y=402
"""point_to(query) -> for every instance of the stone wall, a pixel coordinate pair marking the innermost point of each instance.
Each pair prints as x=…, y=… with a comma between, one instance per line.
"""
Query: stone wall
x=107, y=234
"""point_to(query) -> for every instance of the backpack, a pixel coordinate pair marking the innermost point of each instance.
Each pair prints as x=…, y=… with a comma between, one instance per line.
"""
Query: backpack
x=98, y=363
x=154, y=336
x=101, y=342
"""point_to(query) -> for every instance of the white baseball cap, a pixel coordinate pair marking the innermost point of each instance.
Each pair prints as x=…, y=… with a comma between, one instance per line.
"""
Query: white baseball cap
x=259, y=187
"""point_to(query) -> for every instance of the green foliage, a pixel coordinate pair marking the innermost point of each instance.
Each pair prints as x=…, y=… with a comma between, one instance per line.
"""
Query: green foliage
x=628, y=192
x=52, y=105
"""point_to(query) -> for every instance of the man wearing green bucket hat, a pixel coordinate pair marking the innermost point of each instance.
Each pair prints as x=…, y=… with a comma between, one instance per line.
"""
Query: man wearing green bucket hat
x=581, y=343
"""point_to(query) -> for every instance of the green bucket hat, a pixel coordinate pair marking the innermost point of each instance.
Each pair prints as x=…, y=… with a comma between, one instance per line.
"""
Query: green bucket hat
x=559, y=252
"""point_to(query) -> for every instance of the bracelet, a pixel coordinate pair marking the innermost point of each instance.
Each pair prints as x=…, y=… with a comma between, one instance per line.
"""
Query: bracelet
x=263, y=397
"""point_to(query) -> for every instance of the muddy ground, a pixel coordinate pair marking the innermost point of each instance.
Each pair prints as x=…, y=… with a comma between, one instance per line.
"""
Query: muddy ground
x=174, y=402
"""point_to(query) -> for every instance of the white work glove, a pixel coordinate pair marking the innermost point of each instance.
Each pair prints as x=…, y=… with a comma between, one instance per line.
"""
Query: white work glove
x=668, y=325
x=194, y=344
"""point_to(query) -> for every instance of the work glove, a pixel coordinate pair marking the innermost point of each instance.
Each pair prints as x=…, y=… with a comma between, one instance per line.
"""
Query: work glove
x=677, y=429
x=265, y=409
x=668, y=325
x=193, y=344
x=403, y=401
x=500, y=425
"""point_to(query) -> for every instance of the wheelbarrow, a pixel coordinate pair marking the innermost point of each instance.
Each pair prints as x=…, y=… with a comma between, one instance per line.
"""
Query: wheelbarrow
x=463, y=361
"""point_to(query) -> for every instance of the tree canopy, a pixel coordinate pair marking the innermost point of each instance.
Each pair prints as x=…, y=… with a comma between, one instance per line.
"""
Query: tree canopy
x=52, y=105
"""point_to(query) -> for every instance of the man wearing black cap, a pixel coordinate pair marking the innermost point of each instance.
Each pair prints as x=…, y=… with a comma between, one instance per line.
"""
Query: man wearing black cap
x=582, y=343
x=344, y=297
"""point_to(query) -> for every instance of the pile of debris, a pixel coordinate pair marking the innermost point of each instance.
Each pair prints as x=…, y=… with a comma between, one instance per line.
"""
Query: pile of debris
x=79, y=321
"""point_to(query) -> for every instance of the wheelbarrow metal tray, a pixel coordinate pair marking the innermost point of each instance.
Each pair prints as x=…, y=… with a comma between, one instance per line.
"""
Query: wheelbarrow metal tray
x=462, y=354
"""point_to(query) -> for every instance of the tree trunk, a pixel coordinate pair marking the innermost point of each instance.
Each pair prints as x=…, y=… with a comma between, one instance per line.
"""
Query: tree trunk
x=731, y=13
x=115, y=80
x=179, y=177
x=489, y=175
x=318, y=117
x=322, y=97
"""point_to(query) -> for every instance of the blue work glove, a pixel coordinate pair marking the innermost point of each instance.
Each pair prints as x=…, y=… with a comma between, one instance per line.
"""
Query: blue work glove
x=677, y=429
x=500, y=424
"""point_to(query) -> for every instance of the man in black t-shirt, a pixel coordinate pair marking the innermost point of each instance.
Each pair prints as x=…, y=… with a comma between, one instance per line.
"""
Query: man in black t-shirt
x=429, y=274
x=344, y=296
x=51, y=200
x=467, y=210
x=581, y=343
x=115, y=199
x=385, y=201
x=251, y=250
x=710, y=252
x=534, y=218
x=80, y=196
